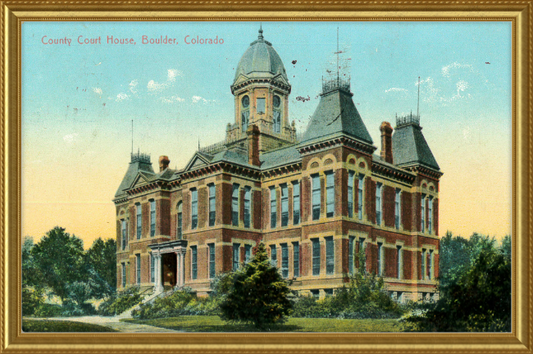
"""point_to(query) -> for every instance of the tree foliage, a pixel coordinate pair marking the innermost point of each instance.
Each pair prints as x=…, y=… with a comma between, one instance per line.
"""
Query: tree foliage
x=100, y=263
x=258, y=294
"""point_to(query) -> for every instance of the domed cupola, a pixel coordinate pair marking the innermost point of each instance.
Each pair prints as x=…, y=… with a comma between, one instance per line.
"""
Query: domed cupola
x=261, y=90
x=260, y=60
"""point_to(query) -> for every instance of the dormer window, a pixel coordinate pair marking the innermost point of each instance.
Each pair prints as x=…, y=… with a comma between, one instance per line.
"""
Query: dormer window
x=261, y=106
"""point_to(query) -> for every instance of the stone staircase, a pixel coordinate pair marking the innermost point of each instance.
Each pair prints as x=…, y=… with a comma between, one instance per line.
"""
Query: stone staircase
x=151, y=297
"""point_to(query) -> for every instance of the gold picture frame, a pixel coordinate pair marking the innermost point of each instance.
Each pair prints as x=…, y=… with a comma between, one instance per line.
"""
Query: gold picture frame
x=14, y=13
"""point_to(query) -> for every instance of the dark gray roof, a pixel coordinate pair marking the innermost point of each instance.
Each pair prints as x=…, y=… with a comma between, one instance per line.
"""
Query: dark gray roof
x=336, y=114
x=409, y=147
x=137, y=165
x=232, y=155
x=279, y=157
x=260, y=59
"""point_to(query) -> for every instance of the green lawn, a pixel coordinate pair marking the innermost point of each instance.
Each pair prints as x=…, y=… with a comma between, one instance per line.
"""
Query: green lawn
x=215, y=324
x=61, y=326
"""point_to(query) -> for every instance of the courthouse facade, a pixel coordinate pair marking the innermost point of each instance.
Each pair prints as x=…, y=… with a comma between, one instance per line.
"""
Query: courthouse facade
x=321, y=202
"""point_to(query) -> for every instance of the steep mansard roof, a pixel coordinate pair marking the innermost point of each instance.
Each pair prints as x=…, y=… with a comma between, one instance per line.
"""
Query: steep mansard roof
x=336, y=114
x=409, y=147
x=139, y=163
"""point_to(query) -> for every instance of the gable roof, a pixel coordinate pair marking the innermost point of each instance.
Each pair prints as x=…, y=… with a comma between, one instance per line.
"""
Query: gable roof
x=336, y=114
x=139, y=163
x=409, y=147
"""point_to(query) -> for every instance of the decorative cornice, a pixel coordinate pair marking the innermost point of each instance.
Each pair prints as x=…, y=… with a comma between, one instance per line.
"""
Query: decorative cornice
x=361, y=147
x=271, y=81
x=282, y=170
x=394, y=173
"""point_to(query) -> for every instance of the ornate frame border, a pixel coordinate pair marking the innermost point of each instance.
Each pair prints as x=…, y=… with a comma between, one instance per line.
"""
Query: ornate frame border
x=13, y=13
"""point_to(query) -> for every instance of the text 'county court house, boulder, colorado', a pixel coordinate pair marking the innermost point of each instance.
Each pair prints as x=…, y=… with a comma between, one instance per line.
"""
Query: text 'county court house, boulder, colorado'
x=317, y=201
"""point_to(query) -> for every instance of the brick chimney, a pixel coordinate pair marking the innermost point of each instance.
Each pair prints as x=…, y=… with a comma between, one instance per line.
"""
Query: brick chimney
x=386, y=141
x=163, y=163
x=253, y=145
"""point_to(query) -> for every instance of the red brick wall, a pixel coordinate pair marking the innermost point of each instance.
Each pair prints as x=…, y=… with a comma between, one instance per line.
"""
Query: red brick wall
x=370, y=199
x=406, y=205
x=163, y=217
x=389, y=195
x=257, y=209
x=306, y=199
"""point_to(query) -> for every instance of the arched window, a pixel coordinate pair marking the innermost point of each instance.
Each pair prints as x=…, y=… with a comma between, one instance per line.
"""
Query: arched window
x=179, y=221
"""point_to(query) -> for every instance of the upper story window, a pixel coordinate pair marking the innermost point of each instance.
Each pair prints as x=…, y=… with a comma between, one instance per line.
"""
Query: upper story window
x=179, y=222
x=261, y=106
x=430, y=214
x=139, y=220
x=212, y=204
x=152, y=218
x=378, y=203
x=235, y=205
x=247, y=206
x=350, y=193
x=295, y=203
x=423, y=213
x=360, y=196
x=316, y=200
x=124, y=233
x=284, y=205
x=194, y=208
x=273, y=207
x=330, y=194
x=276, y=117
x=397, y=209
x=245, y=112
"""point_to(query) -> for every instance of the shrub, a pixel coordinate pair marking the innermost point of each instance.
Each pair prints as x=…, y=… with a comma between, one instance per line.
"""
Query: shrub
x=116, y=304
x=32, y=299
x=177, y=303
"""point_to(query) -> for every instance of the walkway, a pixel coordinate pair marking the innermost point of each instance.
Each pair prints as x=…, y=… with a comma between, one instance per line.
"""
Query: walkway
x=114, y=323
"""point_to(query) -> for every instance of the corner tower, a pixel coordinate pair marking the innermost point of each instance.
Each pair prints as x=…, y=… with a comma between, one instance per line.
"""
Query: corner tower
x=261, y=89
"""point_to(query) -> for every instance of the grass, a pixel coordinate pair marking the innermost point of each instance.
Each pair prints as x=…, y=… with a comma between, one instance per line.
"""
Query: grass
x=215, y=324
x=61, y=326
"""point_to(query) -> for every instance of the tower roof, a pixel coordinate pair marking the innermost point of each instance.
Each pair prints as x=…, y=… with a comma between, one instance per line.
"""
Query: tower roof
x=336, y=114
x=409, y=147
x=260, y=60
x=139, y=162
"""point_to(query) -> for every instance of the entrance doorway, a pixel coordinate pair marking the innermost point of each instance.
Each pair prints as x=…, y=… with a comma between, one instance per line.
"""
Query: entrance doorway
x=169, y=267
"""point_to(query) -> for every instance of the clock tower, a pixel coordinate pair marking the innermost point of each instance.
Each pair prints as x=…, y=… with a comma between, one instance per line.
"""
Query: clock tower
x=261, y=89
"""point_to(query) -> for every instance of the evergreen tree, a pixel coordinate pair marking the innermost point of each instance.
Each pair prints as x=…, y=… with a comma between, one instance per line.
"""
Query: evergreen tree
x=258, y=295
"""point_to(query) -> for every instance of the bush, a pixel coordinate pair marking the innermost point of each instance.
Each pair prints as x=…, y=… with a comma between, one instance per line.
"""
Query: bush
x=116, y=304
x=178, y=303
x=32, y=299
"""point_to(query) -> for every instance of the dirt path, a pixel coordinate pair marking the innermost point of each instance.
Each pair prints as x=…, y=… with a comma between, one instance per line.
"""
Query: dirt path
x=114, y=323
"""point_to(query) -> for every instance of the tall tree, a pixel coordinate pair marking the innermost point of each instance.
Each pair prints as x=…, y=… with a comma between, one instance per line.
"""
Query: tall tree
x=59, y=258
x=100, y=261
x=258, y=295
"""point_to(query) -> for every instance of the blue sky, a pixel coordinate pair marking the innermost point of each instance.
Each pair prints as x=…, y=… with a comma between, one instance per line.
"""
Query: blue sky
x=78, y=102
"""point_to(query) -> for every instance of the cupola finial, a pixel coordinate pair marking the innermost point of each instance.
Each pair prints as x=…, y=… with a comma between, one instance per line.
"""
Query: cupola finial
x=260, y=37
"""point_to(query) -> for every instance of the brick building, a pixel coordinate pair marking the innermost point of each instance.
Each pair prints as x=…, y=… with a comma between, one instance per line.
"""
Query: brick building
x=317, y=201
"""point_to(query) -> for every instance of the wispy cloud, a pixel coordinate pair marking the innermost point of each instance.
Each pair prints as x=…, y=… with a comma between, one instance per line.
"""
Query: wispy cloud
x=448, y=69
x=121, y=97
x=196, y=99
x=396, y=89
x=133, y=86
x=70, y=138
x=172, y=99
x=98, y=91
x=154, y=86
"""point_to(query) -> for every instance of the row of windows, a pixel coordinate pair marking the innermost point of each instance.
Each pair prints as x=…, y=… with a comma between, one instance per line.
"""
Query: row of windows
x=285, y=258
x=261, y=109
x=210, y=261
x=285, y=205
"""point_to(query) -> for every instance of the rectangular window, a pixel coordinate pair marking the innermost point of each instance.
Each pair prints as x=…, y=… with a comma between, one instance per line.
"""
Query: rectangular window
x=211, y=260
x=316, y=196
x=316, y=256
x=430, y=214
x=194, y=208
x=430, y=273
x=350, y=193
x=273, y=256
x=423, y=213
x=139, y=221
x=295, y=203
x=152, y=218
x=260, y=105
x=330, y=255
x=277, y=121
x=247, y=206
x=179, y=227
x=247, y=253
x=123, y=275
x=378, y=203
x=152, y=268
x=397, y=209
x=273, y=207
x=138, y=268
x=423, y=263
x=362, y=253
x=284, y=205
x=212, y=204
x=124, y=234
x=350, y=254
x=235, y=205
x=194, y=262
x=236, y=249
x=315, y=293
x=380, y=259
x=296, y=260
x=284, y=260
x=399, y=255
x=330, y=194
x=360, y=196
